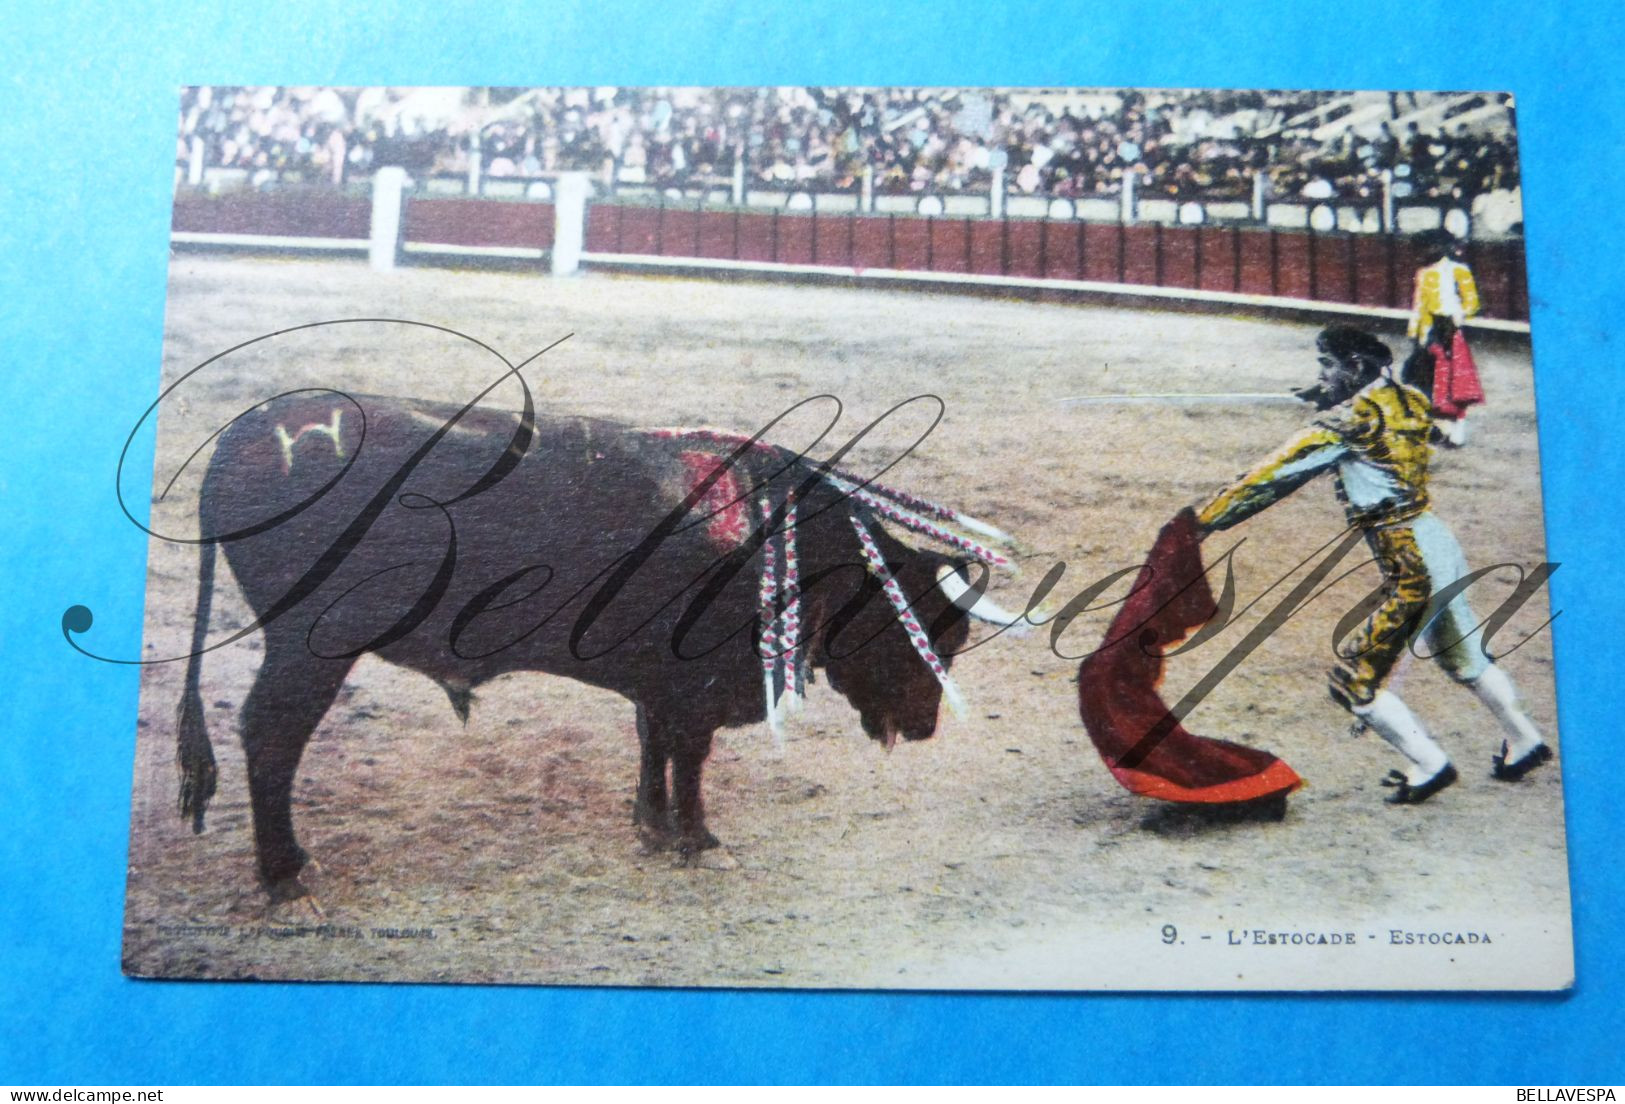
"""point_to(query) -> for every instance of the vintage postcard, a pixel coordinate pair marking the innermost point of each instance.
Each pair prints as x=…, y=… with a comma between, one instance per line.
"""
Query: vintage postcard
x=847, y=537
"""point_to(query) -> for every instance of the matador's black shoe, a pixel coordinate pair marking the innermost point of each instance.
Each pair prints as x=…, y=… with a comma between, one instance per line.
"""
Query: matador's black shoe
x=1511, y=772
x=1407, y=793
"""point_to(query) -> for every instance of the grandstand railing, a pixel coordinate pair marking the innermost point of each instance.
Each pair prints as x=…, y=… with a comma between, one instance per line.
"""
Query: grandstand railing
x=1217, y=206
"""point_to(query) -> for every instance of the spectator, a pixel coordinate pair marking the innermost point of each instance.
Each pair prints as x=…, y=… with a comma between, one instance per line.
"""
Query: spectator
x=1184, y=145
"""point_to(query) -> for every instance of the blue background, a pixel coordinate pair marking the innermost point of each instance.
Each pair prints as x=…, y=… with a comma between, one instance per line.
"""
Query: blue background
x=87, y=124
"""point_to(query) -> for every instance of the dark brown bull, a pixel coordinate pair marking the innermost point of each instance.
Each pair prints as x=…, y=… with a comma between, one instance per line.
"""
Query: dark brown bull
x=584, y=549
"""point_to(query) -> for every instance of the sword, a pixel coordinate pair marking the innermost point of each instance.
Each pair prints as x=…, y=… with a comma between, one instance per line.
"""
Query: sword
x=1242, y=397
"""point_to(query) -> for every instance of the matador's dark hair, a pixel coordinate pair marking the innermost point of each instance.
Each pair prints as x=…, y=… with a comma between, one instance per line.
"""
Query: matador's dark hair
x=1346, y=342
x=1434, y=245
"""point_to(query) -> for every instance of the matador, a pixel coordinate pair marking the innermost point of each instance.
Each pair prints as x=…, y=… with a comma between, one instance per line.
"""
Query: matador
x=1373, y=435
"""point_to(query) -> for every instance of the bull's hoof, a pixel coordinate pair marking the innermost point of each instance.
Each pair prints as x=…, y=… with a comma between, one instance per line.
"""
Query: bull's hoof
x=293, y=903
x=286, y=889
x=692, y=845
x=292, y=884
x=656, y=838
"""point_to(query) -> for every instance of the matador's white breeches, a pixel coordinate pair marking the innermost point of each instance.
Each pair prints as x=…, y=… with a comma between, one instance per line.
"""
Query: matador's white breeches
x=1419, y=559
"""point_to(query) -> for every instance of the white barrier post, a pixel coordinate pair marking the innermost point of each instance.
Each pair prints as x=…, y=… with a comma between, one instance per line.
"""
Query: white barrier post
x=1388, y=201
x=388, y=192
x=476, y=158
x=1126, y=215
x=1258, y=197
x=569, y=222
x=995, y=199
x=739, y=175
x=194, y=163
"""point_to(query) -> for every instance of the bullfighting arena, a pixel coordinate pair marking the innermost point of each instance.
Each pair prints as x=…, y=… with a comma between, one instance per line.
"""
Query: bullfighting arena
x=998, y=854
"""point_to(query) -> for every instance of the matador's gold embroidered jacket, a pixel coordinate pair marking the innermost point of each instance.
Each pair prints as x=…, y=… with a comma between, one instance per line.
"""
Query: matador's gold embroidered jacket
x=1444, y=288
x=1378, y=444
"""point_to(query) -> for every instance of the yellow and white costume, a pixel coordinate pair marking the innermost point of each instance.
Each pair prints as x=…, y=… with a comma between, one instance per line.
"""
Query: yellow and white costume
x=1377, y=446
x=1446, y=289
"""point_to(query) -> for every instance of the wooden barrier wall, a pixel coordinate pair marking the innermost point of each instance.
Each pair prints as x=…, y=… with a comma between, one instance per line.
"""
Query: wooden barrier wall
x=479, y=222
x=1368, y=270
x=289, y=214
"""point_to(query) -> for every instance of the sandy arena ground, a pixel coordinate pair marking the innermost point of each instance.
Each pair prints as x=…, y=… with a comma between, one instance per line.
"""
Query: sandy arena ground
x=999, y=854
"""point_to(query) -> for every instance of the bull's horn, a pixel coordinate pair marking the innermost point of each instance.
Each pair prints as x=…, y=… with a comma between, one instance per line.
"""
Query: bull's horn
x=979, y=606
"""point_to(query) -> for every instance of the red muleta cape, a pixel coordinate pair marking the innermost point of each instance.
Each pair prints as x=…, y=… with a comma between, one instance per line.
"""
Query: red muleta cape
x=1117, y=690
x=1455, y=378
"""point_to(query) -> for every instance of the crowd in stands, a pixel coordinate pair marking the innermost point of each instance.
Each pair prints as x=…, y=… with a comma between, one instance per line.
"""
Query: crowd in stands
x=1179, y=145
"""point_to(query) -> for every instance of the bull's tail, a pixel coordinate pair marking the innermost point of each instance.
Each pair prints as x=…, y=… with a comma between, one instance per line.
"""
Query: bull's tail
x=193, y=751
